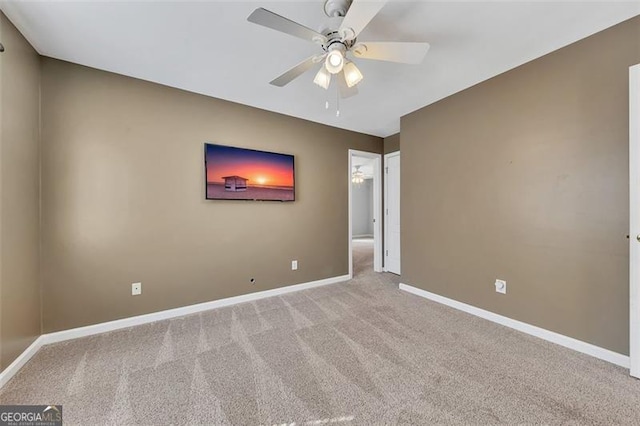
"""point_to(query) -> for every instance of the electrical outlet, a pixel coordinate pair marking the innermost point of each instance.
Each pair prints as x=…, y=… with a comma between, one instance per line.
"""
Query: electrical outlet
x=136, y=289
x=501, y=286
x=294, y=265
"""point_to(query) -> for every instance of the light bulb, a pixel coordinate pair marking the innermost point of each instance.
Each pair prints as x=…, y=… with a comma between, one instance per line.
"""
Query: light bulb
x=334, y=61
x=352, y=74
x=322, y=78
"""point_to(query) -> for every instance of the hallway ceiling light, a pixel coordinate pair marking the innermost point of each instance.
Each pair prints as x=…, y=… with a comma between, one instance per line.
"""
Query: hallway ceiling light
x=357, y=176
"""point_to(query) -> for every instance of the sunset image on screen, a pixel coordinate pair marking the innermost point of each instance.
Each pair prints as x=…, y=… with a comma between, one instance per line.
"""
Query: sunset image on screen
x=236, y=173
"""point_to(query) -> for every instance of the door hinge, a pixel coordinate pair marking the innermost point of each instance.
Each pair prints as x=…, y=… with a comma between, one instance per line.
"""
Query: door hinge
x=386, y=253
x=386, y=170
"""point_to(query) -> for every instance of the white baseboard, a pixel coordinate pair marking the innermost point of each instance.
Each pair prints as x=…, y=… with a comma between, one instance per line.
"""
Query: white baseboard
x=104, y=327
x=559, y=339
x=19, y=362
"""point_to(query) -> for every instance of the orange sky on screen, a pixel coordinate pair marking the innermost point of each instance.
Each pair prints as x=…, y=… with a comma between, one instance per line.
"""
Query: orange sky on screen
x=277, y=175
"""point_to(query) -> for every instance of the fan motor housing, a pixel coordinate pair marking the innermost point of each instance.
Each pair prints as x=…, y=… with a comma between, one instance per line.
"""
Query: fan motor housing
x=335, y=38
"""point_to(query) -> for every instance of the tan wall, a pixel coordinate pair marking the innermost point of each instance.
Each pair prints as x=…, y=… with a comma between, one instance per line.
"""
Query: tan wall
x=123, y=199
x=20, y=311
x=391, y=143
x=525, y=178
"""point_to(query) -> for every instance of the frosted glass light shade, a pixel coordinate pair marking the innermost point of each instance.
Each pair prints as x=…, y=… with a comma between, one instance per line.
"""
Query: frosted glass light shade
x=334, y=61
x=352, y=74
x=323, y=78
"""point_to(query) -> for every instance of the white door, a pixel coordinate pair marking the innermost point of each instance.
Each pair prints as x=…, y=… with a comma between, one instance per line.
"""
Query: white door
x=634, y=219
x=392, y=213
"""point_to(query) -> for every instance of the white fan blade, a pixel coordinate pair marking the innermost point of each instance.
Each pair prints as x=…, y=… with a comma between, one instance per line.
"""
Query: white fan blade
x=295, y=72
x=276, y=22
x=345, y=91
x=402, y=52
x=360, y=13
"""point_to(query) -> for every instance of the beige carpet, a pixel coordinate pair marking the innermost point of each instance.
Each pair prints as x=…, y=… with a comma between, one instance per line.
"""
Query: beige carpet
x=361, y=352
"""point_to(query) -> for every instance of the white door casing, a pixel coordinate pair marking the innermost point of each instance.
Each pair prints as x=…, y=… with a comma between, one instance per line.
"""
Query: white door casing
x=634, y=219
x=392, y=212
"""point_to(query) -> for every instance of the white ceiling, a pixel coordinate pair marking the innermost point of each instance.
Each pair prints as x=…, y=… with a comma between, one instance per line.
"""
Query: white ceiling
x=209, y=47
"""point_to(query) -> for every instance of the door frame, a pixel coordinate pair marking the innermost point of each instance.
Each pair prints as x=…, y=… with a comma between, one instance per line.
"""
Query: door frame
x=386, y=197
x=377, y=208
x=634, y=220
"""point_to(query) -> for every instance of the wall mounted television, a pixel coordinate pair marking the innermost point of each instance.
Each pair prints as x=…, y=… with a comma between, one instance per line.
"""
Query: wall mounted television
x=246, y=174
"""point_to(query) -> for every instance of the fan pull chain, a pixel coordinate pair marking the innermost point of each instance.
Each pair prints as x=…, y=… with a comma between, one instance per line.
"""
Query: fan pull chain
x=337, y=101
x=326, y=102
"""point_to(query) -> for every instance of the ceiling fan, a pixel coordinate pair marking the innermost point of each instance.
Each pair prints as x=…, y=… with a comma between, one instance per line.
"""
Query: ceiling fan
x=357, y=176
x=339, y=43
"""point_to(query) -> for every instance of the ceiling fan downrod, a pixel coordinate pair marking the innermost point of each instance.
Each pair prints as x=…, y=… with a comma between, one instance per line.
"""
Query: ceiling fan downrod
x=336, y=8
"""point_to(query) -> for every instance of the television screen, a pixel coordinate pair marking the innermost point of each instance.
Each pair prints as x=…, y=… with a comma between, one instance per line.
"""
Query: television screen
x=247, y=174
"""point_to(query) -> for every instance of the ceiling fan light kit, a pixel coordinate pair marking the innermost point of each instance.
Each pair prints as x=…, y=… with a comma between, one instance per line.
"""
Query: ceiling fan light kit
x=339, y=44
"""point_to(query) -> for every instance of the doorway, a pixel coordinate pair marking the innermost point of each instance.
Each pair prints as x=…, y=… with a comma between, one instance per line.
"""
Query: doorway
x=365, y=207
